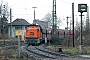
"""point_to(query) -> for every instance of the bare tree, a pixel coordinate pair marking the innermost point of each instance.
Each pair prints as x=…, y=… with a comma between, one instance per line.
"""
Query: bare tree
x=59, y=21
x=77, y=27
x=48, y=18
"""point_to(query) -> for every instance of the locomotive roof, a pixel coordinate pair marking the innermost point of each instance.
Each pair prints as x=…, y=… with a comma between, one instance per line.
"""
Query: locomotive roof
x=34, y=25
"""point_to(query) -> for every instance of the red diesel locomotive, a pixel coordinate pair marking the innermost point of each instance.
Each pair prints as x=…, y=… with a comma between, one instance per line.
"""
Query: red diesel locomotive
x=33, y=34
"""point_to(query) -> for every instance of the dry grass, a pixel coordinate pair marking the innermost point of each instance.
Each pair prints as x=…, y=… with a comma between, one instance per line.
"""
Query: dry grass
x=70, y=50
x=6, y=54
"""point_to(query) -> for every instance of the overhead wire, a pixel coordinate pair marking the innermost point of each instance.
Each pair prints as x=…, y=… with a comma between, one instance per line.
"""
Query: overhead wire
x=67, y=2
x=51, y=6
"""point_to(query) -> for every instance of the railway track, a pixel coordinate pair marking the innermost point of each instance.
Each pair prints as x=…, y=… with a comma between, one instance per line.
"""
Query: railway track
x=39, y=53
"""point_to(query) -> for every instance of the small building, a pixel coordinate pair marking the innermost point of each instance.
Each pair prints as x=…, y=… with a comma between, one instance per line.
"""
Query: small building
x=18, y=24
x=43, y=24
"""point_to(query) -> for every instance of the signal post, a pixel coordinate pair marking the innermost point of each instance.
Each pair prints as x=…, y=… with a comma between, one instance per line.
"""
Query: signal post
x=81, y=8
x=19, y=33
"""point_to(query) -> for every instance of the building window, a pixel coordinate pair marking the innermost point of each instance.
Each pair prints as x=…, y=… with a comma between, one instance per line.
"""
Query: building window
x=18, y=27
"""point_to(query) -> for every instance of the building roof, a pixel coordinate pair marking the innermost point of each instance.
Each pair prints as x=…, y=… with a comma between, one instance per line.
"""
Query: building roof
x=20, y=22
x=43, y=24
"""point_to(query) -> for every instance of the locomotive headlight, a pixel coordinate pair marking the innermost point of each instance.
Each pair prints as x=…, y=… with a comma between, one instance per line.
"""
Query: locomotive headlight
x=31, y=33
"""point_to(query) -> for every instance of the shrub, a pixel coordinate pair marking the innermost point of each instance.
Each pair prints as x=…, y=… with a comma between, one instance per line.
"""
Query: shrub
x=56, y=40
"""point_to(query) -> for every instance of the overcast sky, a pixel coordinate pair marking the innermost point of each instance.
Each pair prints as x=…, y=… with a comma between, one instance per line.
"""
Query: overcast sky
x=23, y=8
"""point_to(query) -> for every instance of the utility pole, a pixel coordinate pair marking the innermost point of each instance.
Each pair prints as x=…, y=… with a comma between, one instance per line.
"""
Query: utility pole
x=10, y=22
x=87, y=20
x=70, y=30
x=70, y=24
x=67, y=30
x=0, y=18
x=54, y=20
x=73, y=21
x=34, y=12
x=67, y=21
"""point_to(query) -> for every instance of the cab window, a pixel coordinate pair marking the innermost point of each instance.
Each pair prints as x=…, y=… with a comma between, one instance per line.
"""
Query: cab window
x=35, y=26
x=29, y=27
